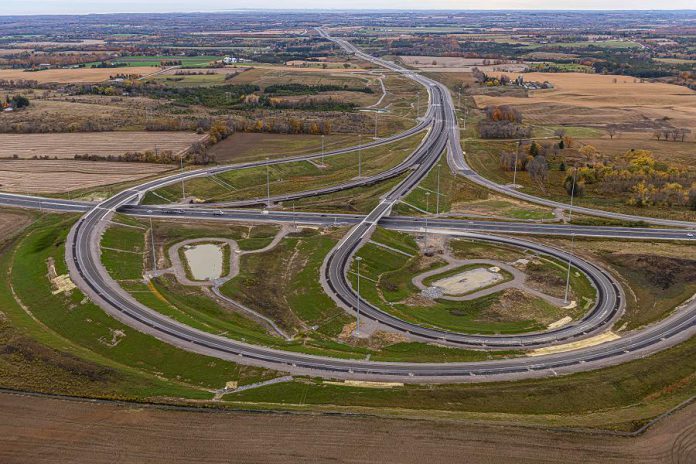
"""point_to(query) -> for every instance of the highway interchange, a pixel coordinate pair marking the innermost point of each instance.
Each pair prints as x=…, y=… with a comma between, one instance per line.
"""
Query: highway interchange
x=442, y=134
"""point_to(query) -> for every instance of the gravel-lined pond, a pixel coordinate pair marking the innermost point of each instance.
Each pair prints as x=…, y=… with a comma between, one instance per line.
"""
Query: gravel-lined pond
x=205, y=261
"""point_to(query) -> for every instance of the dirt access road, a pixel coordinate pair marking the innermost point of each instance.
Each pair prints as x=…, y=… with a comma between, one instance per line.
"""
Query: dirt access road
x=50, y=430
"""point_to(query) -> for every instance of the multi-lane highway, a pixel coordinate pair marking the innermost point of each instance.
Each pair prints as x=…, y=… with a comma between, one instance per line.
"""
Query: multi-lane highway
x=88, y=273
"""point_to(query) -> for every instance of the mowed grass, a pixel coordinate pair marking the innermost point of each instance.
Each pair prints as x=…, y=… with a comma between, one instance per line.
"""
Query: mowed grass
x=387, y=283
x=622, y=397
x=142, y=366
x=460, y=196
x=291, y=177
x=123, y=251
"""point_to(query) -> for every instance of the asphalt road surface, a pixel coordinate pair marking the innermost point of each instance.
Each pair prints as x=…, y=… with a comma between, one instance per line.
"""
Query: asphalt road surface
x=88, y=273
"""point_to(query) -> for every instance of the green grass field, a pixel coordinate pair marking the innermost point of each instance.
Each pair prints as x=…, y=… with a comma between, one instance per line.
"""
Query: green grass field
x=387, y=283
x=290, y=177
x=90, y=352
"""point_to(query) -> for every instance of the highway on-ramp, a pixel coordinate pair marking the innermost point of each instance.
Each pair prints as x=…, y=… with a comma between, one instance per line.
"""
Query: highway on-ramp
x=88, y=273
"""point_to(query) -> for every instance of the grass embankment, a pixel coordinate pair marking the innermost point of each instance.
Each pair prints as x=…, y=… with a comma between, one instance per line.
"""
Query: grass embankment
x=460, y=196
x=63, y=343
x=656, y=276
x=282, y=284
x=387, y=283
x=622, y=397
x=290, y=177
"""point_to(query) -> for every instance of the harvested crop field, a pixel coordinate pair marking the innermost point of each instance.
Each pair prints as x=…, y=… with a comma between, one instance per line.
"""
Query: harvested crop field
x=10, y=222
x=60, y=176
x=675, y=152
x=66, y=145
x=588, y=98
x=45, y=430
x=69, y=76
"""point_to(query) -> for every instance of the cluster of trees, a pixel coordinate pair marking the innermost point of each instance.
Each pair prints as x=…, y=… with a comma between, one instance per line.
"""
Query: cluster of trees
x=638, y=176
x=503, y=122
x=528, y=157
x=16, y=101
x=674, y=134
x=155, y=157
x=304, y=89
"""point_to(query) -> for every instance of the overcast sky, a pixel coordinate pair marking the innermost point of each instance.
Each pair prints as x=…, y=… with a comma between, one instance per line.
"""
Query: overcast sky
x=119, y=6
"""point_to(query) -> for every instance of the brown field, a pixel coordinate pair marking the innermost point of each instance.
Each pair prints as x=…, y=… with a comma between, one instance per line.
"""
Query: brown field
x=69, y=76
x=60, y=176
x=267, y=75
x=11, y=222
x=73, y=113
x=421, y=61
x=595, y=100
x=675, y=152
x=66, y=145
x=45, y=430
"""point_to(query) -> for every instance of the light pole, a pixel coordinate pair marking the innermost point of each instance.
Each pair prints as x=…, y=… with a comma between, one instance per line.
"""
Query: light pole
x=417, y=104
x=152, y=239
x=437, y=194
x=357, y=323
x=268, y=184
x=360, y=156
x=376, y=113
x=459, y=97
x=322, y=149
x=294, y=218
x=572, y=239
x=567, y=287
x=514, y=175
x=183, y=190
x=427, y=211
x=572, y=194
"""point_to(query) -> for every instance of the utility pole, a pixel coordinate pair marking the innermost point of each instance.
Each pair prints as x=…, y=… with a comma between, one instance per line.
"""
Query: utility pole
x=459, y=97
x=418, y=104
x=357, y=323
x=572, y=240
x=437, y=194
x=322, y=149
x=268, y=184
x=360, y=156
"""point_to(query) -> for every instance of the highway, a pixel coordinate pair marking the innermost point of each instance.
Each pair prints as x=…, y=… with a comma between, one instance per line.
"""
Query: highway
x=87, y=272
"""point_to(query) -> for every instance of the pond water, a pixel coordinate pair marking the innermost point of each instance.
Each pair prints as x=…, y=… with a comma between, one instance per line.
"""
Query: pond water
x=205, y=261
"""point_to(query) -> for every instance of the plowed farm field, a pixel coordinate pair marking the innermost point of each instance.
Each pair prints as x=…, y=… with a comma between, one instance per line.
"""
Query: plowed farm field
x=66, y=145
x=60, y=176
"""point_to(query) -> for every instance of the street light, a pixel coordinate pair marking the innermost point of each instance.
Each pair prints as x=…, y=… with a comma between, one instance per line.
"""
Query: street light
x=437, y=197
x=572, y=239
x=357, y=323
x=514, y=175
x=376, y=113
x=322, y=149
x=268, y=184
x=360, y=156
x=183, y=191
x=567, y=287
x=427, y=211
